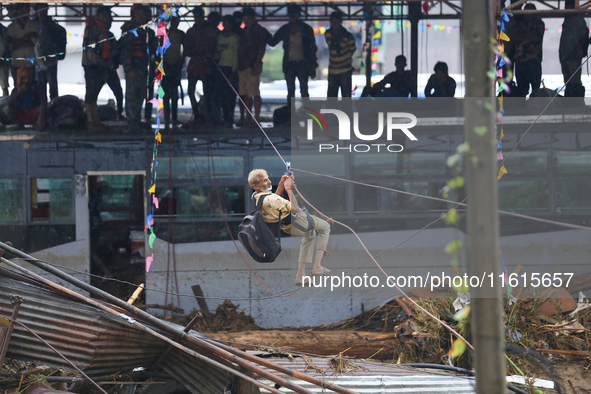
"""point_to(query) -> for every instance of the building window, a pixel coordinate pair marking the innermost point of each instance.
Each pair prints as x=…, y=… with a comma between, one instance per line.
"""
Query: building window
x=199, y=167
x=51, y=200
x=11, y=195
x=199, y=202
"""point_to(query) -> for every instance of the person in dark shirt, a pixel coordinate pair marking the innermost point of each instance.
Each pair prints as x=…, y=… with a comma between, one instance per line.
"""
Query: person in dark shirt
x=47, y=44
x=173, y=66
x=440, y=84
x=27, y=104
x=97, y=61
x=200, y=44
x=299, y=51
x=136, y=47
x=528, y=53
x=574, y=42
x=400, y=81
x=253, y=43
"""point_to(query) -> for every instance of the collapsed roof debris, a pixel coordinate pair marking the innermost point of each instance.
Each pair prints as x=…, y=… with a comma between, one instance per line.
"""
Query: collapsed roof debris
x=210, y=369
x=108, y=339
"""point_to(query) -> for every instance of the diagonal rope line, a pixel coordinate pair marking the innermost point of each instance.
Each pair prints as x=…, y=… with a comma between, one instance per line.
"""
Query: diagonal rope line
x=389, y=278
x=403, y=241
x=220, y=200
x=568, y=225
x=250, y=113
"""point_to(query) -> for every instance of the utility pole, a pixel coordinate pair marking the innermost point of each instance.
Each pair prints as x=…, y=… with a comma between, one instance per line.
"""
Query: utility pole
x=481, y=182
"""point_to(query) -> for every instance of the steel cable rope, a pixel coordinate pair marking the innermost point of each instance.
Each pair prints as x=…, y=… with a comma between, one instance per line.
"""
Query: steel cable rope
x=359, y=239
x=568, y=225
x=158, y=291
x=342, y=224
x=384, y=272
x=218, y=192
x=405, y=240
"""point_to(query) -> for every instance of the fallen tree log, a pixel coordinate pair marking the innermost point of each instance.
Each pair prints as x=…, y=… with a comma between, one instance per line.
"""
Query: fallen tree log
x=359, y=344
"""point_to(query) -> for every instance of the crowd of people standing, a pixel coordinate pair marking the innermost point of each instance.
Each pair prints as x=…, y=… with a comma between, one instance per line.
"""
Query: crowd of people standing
x=226, y=54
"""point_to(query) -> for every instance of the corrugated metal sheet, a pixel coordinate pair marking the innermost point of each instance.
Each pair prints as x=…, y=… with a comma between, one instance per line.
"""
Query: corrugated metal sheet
x=197, y=376
x=395, y=384
x=97, y=342
x=364, y=368
x=373, y=378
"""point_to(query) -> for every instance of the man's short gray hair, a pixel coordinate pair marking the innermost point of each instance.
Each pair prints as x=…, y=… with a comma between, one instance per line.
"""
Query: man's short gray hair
x=255, y=177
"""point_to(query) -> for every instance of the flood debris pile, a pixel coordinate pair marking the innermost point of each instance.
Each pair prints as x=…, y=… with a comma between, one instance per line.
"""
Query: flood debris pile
x=543, y=335
x=106, y=341
x=227, y=317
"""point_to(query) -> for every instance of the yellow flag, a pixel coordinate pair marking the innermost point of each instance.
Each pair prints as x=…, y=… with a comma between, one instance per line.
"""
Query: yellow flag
x=501, y=102
x=502, y=133
x=159, y=137
x=503, y=36
x=377, y=35
x=152, y=189
x=502, y=172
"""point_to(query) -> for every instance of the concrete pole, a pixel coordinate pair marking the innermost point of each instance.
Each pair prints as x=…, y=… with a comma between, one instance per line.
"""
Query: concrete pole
x=481, y=182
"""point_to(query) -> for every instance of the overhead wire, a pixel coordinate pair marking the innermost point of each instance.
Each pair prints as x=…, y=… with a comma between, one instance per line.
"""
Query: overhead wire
x=342, y=224
x=573, y=226
x=218, y=192
x=359, y=239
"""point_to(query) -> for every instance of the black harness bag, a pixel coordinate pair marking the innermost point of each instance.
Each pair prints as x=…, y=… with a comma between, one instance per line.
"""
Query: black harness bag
x=256, y=236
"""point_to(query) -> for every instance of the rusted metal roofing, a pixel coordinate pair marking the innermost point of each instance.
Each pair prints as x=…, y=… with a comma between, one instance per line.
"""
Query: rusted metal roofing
x=314, y=365
x=374, y=378
x=397, y=384
x=95, y=341
x=183, y=367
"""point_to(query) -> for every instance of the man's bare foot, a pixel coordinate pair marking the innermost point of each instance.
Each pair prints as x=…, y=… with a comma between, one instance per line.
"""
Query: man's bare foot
x=321, y=271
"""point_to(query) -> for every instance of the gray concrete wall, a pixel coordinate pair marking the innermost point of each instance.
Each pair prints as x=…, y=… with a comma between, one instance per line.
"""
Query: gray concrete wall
x=220, y=271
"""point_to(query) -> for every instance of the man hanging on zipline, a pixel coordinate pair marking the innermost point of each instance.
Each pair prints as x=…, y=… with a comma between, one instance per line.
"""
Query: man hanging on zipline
x=295, y=220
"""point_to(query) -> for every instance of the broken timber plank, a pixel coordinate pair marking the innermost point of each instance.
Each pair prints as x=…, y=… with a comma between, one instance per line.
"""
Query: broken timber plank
x=583, y=353
x=200, y=299
x=361, y=344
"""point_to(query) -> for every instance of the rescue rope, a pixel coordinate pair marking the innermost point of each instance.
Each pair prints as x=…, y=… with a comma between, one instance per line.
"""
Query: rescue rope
x=533, y=218
x=218, y=192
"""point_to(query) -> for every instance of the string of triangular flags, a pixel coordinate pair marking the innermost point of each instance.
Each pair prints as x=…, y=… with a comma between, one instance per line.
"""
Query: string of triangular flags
x=159, y=103
x=82, y=48
x=502, y=80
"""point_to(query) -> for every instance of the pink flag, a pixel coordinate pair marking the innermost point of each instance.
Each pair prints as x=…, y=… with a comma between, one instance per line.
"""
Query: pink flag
x=149, y=261
x=155, y=201
x=500, y=155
